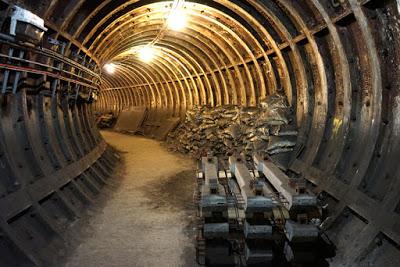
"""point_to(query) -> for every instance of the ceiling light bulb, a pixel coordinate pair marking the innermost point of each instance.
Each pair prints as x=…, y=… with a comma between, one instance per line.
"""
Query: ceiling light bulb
x=110, y=68
x=146, y=54
x=177, y=20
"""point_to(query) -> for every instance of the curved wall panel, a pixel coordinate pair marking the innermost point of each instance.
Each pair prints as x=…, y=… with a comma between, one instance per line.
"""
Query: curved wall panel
x=50, y=171
x=53, y=161
x=336, y=61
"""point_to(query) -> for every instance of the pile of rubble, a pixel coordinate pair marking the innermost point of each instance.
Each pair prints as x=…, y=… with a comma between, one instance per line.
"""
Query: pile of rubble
x=229, y=129
x=106, y=120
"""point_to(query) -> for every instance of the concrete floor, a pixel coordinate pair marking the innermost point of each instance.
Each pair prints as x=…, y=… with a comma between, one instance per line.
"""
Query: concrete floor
x=147, y=219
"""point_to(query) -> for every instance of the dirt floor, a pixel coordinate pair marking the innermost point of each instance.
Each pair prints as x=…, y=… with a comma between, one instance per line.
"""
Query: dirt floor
x=146, y=216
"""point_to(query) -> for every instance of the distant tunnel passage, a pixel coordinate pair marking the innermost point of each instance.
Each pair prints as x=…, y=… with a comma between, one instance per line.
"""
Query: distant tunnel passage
x=335, y=62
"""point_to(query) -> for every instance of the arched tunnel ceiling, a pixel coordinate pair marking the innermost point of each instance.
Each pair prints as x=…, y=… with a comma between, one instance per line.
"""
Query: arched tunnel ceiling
x=337, y=62
x=217, y=38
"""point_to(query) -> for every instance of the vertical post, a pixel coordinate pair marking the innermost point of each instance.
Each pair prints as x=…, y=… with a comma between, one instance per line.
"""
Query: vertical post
x=17, y=74
x=7, y=73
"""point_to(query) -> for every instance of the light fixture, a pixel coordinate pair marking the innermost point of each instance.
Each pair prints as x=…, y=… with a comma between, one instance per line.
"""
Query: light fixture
x=177, y=20
x=110, y=68
x=146, y=54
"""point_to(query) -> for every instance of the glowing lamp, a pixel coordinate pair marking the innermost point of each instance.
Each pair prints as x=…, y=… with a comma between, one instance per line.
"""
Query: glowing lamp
x=146, y=54
x=110, y=68
x=177, y=20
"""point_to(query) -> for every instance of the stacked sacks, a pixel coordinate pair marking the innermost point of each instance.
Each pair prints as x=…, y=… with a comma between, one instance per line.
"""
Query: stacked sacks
x=228, y=129
x=273, y=121
x=203, y=130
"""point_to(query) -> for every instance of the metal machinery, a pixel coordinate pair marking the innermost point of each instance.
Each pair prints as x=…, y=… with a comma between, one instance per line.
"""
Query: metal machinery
x=259, y=216
x=301, y=228
x=26, y=26
x=258, y=210
x=213, y=213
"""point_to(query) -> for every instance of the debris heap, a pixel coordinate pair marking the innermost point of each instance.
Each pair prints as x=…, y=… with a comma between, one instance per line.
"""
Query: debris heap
x=229, y=129
x=106, y=120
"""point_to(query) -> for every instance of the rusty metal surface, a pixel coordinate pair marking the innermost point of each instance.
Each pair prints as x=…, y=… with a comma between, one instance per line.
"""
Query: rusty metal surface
x=131, y=120
x=336, y=61
x=53, y=161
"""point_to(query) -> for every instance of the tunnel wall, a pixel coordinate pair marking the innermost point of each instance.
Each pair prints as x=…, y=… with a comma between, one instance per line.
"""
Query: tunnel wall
x=53, y=164
x=335, y=61
x=53, y=160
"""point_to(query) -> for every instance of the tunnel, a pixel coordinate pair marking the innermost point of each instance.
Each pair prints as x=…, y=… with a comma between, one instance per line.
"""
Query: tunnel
x=147, y=64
